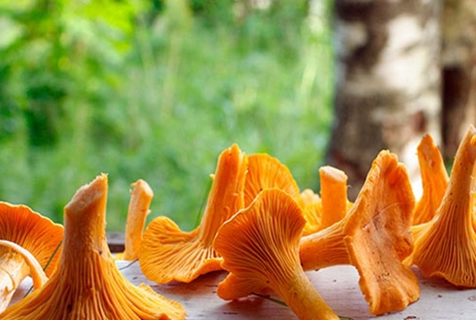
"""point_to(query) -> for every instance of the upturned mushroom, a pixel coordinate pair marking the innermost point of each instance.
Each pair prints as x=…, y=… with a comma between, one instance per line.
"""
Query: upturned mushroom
x=260, y=249
x=87, y=283
x=374, y=236
x=434, y=180
x=446, y=245
x=22, y=229
x=168, y=253
x=141, y=196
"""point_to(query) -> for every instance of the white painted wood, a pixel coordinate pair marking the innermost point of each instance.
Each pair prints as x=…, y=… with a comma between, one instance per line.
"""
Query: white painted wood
x=338, y=285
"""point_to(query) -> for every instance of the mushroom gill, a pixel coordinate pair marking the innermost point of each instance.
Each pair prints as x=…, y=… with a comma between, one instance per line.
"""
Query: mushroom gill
x=168, y=253
x=87, y=283
x=260, y=249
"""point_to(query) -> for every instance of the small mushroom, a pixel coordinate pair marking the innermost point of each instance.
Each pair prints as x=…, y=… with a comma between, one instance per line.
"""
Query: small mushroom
x=87, y=283
x=34, y=233
x=434, y=180
x=141, y=197
x=168, y=253
x=446, y=245
x=374, y=236
x=260, y=249
x=333, y=195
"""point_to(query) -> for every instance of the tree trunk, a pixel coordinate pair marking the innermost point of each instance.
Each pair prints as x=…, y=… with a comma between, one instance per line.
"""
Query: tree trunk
x=459, y=72
x=388, y=83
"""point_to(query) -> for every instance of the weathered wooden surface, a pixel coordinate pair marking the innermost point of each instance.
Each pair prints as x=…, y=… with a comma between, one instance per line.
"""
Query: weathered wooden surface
x=338, y=285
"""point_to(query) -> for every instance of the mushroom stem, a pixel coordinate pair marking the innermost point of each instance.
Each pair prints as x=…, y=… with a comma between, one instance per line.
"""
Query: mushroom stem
x=333, y=195
x=36, y=272
x=16, y=263
x=13, y=270
x=141, y=197
x=324, y=248
x=299, y=294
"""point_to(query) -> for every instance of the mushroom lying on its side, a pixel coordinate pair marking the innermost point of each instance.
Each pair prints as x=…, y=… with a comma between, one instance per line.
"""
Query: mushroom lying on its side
x=260, y=249
x=87, y=283
x=168, y=253
x=34, y=233
x=374, y=236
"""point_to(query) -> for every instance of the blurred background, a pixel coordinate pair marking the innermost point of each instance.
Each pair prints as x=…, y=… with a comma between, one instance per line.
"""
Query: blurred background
x=157, y=89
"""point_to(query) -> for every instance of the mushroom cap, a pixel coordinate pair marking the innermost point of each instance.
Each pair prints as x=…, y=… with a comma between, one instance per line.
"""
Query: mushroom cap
x=265, y=172
x=87, y=283
x=446, y=245
x=378, y=236
x=260, y=245
x=434, y=180
x=168, y=253
x=34, y=232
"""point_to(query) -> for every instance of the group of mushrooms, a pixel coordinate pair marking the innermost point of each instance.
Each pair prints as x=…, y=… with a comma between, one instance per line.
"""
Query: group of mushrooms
x=259, y=227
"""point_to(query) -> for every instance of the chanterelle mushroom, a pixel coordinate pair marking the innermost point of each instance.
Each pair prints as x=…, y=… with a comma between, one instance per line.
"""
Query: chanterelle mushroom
x=374, y=236
x=168, y=253
x=260, y=249
x=87, y=283
x=434, y=180
x=141, y=196
x=33, y=232
x=446, y=245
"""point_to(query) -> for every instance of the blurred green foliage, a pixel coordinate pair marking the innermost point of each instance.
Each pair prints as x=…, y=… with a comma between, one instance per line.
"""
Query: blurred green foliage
x=156, y=90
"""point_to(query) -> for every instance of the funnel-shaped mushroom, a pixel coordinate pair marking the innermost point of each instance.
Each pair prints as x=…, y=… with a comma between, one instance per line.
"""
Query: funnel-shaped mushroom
x=446, y=245
x=87, y=283
x=434, y=180
x=168, y=253
x=374, y=236
x=141, y=197
x=260, y=249
x=33, y=232
x=265, y=172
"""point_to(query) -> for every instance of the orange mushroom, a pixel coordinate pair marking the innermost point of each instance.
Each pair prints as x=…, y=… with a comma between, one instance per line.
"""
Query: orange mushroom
x=374, y=236
x=141, y=197
x=87, y=283
x=333, y=195
x=446, y=245
x=260, y=249
x=34, y=233
x=264, y=172
x=312, y=211
x=168, y=253
x=434, y=180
